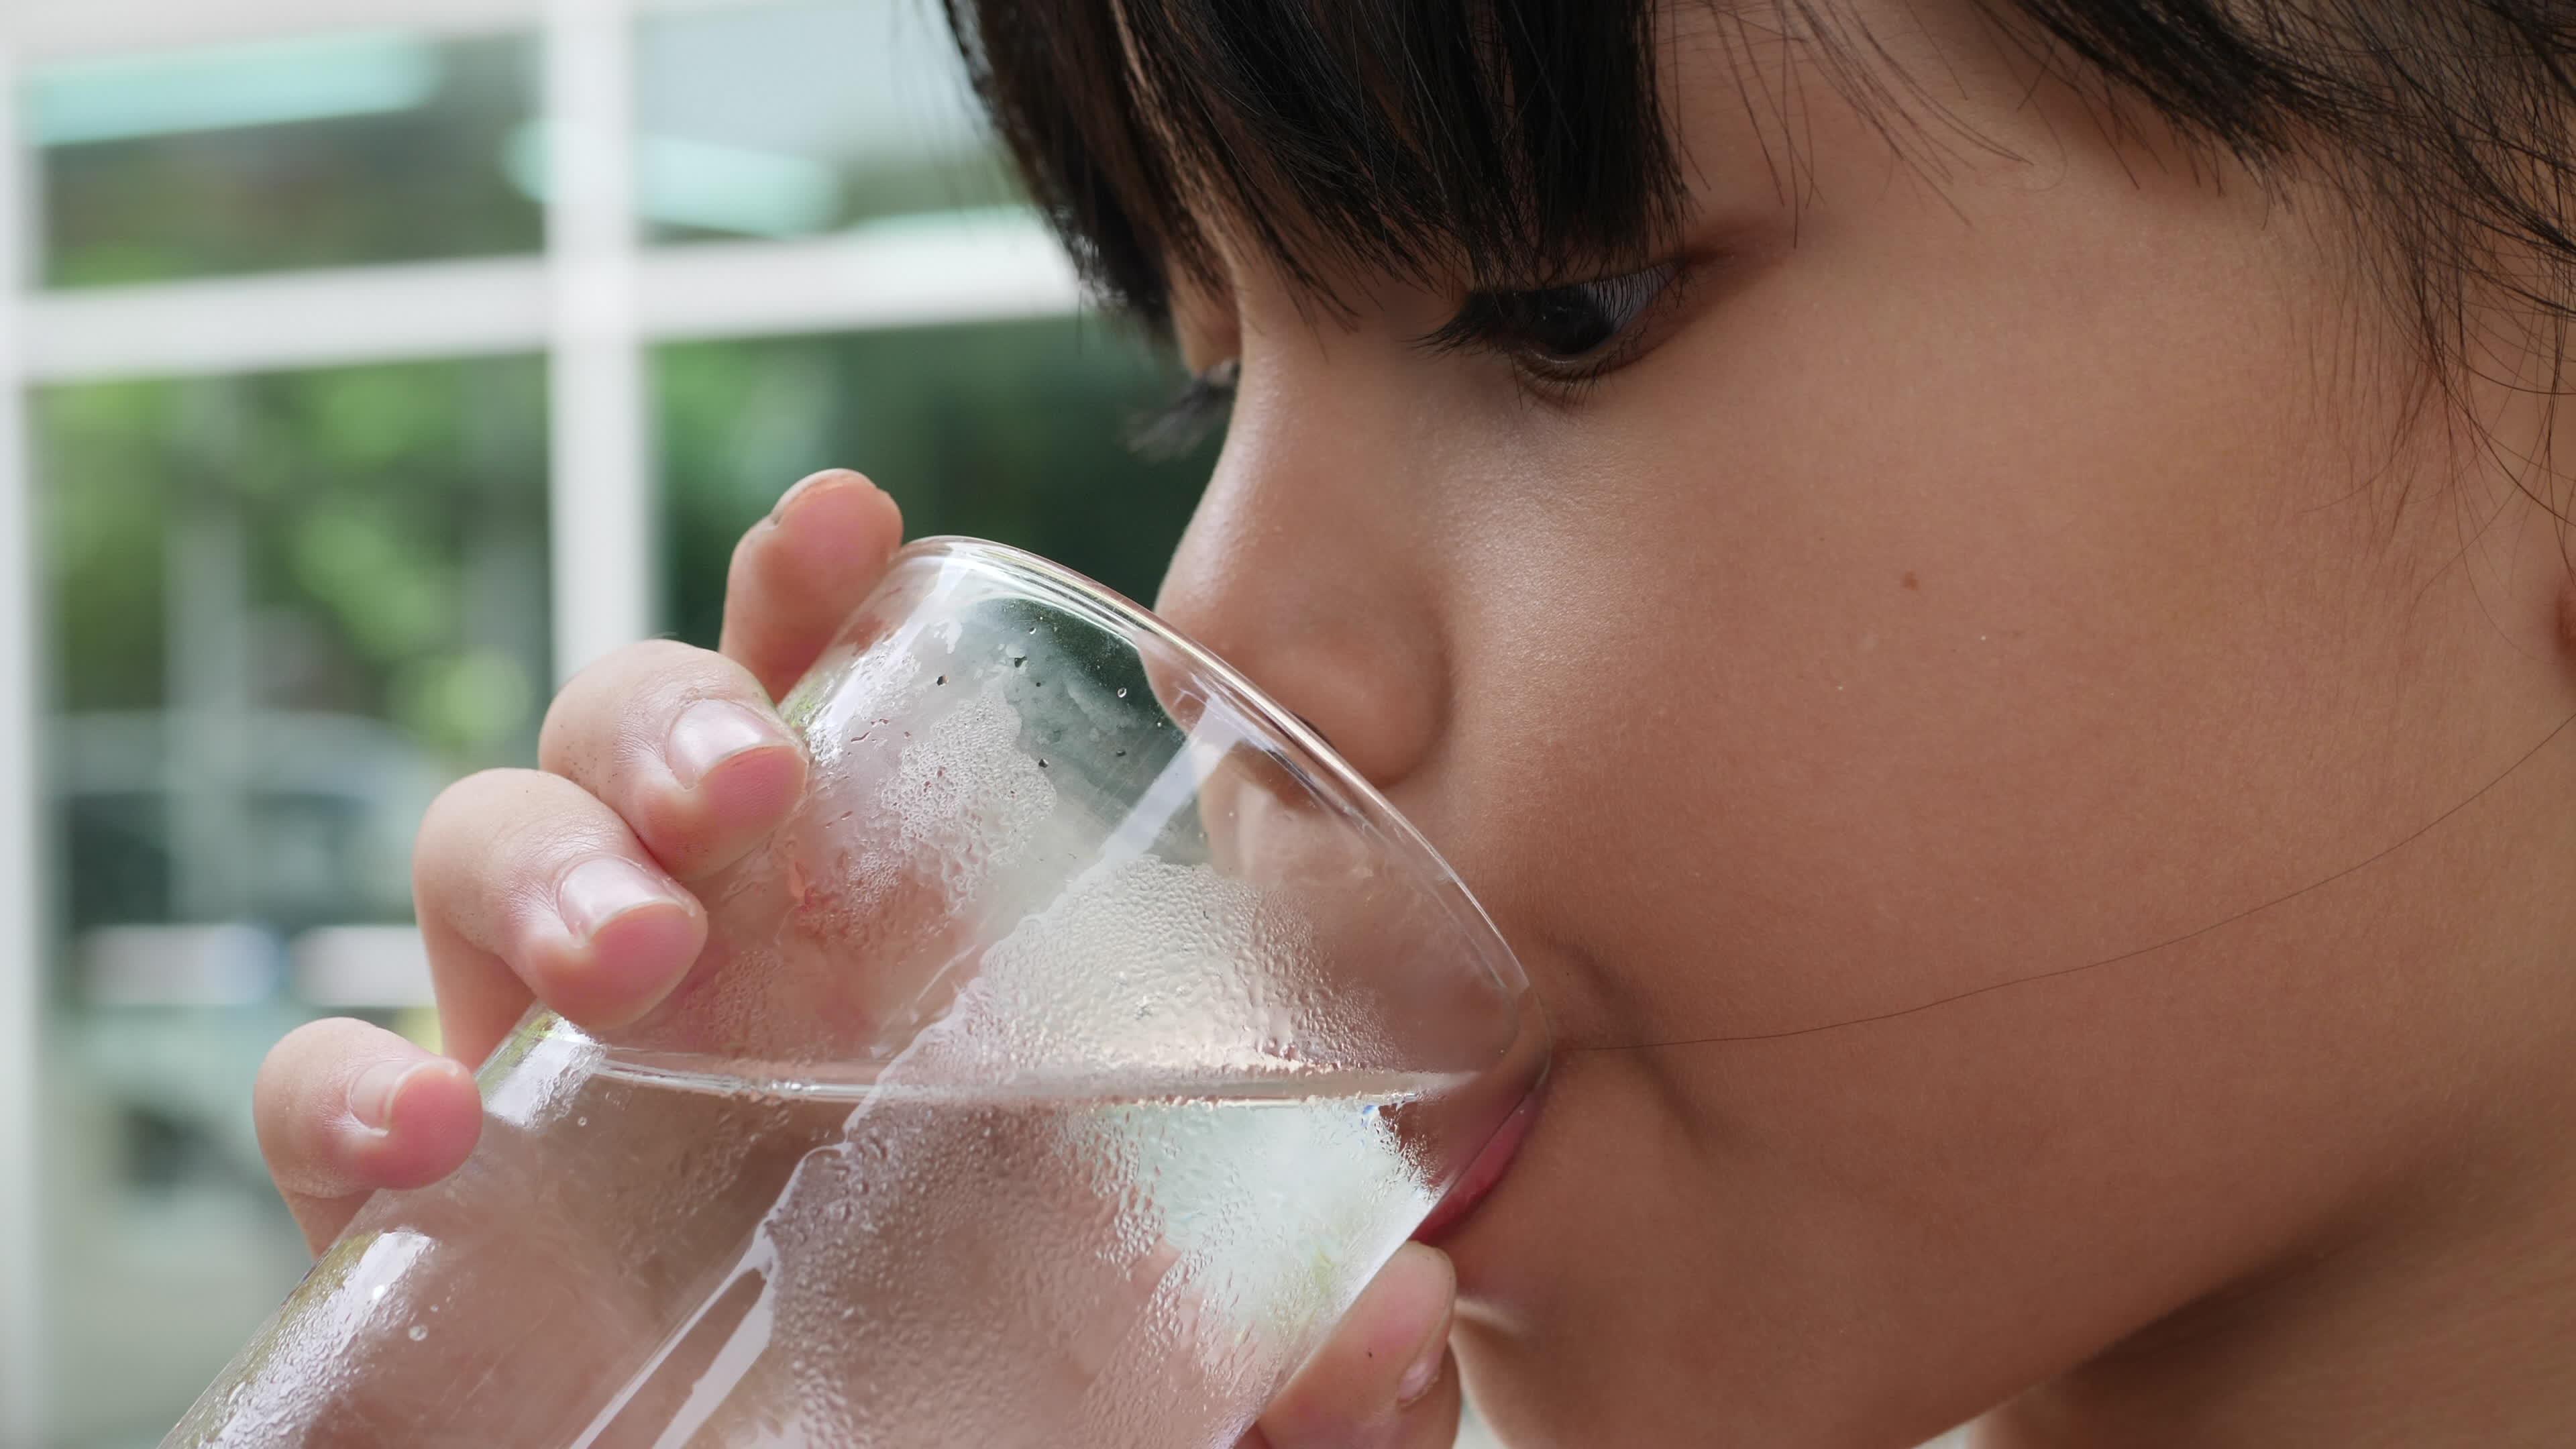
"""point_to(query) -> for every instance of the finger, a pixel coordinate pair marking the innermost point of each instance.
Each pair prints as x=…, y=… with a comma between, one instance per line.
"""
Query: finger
x=345, y=1108
x=798, y=573
x=684, y=745
x=1384, y=1380
x=528, y=884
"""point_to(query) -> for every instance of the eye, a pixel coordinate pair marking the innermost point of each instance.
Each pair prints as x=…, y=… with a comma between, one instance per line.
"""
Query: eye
x=1569, y=333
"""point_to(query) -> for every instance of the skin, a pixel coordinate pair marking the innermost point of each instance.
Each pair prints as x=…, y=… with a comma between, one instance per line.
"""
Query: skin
x=2024, y=768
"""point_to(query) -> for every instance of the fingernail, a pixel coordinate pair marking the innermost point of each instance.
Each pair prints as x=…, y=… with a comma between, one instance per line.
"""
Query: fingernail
x=797, y=489
x=711, y=732
x=601, y=889
x=371, y=1096
x=1425, y=1368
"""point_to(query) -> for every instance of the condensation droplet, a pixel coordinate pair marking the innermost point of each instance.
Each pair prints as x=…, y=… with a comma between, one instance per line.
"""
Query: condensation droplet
x=1122, y=692
x=417, y=1332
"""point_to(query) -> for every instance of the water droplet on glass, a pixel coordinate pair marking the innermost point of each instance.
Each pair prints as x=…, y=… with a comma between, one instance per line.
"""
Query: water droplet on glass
x=417, y=1333
x=581, y=1121
x=1122, y=692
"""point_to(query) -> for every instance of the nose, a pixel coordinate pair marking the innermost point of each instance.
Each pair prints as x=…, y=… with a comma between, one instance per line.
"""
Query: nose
x=1308, y=565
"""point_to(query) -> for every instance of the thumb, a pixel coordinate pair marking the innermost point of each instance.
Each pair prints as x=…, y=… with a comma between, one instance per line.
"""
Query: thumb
x=1384, y=1380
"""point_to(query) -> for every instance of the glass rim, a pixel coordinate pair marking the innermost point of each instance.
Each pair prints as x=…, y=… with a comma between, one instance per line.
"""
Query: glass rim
x=1112, y=608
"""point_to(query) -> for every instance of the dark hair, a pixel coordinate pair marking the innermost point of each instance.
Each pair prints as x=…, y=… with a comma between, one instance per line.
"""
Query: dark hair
x=1505, y=138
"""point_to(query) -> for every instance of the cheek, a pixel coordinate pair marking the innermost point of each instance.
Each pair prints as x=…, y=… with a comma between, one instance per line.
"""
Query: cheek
x=1808, y=684
x=1900, y=668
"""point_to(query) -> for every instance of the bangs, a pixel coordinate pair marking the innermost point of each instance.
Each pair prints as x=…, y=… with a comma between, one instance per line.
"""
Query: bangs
x=1494, y=140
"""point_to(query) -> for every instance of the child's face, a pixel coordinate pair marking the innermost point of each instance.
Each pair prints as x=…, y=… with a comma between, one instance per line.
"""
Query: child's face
x=2005, y=559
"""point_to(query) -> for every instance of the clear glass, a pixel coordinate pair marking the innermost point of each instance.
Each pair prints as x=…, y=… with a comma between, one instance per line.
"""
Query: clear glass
x=285, y=610
x=1055, y=1077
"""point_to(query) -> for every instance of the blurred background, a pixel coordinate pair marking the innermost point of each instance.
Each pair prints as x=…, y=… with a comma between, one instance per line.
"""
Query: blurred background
x=365, y=367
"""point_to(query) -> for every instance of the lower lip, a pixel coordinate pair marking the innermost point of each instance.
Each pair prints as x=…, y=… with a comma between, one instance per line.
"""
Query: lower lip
x=1482, y=1174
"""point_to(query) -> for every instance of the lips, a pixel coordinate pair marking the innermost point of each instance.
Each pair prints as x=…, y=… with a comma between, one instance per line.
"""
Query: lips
x=1482, y=1174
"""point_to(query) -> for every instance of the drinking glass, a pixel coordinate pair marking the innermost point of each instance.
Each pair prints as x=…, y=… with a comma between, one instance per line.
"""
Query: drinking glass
x=1055, y=1076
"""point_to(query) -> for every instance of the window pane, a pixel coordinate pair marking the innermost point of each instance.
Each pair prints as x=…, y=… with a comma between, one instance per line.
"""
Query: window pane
x=286, y=611
x=362, y=147
x=791, y=119
x=1013, y=431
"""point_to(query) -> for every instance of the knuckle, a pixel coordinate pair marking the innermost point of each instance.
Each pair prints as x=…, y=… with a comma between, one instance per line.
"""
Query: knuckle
x=457, y=825
x=744, y=563
x=496, y=840
x=604, y=689
x=653, y=656
x=293, y=1095
x=606, y=727
x=472, y=816
x=285, y=1067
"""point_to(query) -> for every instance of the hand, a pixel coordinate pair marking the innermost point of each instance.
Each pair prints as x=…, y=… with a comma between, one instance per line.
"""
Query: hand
x=662, y=765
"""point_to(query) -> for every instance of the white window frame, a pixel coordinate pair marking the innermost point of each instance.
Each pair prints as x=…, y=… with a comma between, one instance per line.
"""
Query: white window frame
x=593, y=302
x=22, y=870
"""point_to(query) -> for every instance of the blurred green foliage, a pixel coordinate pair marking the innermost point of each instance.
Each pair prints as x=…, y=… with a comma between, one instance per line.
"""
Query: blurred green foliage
x=365, y=497
x=101, y=457
x=1015, y=431
x=371, y=496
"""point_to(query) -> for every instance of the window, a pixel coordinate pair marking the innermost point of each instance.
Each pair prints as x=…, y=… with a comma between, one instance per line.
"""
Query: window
x=304, y=151
x=286, y=610
x=344, y=423
x=792, y=120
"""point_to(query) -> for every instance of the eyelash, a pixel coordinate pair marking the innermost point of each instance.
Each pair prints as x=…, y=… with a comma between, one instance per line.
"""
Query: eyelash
x=1493, y=322
x=1503, y=324
x=1198, y=410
